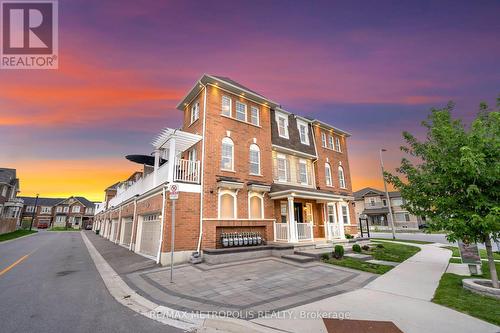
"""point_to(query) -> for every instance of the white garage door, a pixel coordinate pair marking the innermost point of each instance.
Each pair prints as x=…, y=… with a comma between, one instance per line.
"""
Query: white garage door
x=127, y=231
x=150, y=234
x=114, y=230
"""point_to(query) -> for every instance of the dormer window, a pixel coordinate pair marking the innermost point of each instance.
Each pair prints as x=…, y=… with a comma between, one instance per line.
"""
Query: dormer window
x=195, y=112
x=303, y=132
x=282, y=122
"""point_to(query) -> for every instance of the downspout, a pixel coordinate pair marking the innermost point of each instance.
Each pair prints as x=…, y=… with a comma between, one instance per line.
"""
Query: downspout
x=202, y=173
x=164, y=198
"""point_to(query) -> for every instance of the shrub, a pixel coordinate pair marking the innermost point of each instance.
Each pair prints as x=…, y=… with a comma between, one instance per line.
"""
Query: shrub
x=25, y=224
x=365, y=247
x=349, y=236
x=325, y=256
x=380, y=246
x=356, y=248
x=338, y=251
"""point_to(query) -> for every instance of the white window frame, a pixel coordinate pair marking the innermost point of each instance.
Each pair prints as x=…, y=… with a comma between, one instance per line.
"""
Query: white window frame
x=338, y=146
x=30, y=209
x=45, y=210
x=328, y=174
x=59, y=209
x=257, y=115
x=238, y=103
x=323, y=139
x=284, y=158
x=227, y=141
x=330, y=214
x=254, y=148
x=195, y=112
x=342, y=206
x=285, y=124
x=66, y=209
x=301, y=163
x=73, y=209
x=342, y=182
x=302, y=124
x=88, y=210
x=330, y=142
x=261, y=197
x=226, y=98
x=235, y=204
x=192, y=155
x=4, y=191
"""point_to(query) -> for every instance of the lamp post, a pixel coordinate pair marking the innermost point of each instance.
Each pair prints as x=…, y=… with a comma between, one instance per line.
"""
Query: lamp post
x=34, y=212
x=391, y=219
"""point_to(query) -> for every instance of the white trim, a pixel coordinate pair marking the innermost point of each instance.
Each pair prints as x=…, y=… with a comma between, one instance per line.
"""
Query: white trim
x=293, y=151
x=227, y=140
x=301, y=123
x=300, y=163
x=261, y=197
x=235, y=205
x=230, y=105
x=195, y=112
x=279, y=115
x=255, y=149
x=342, y=184
x=236, y=111
x=338, y=145
x=328, y=175
x=253, y=108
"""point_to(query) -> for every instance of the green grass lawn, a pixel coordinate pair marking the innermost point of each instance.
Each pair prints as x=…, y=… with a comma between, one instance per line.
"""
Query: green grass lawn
x=482, y=253
x=16, y=234
x=404, y=240
x=62, y=229
x=360, y=265
x=450, y=293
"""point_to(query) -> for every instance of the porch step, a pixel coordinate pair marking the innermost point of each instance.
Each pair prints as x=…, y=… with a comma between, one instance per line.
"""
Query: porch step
x=315, y=253
x=298, y=258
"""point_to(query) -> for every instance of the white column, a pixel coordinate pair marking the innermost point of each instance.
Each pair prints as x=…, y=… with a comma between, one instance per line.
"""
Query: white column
x=291, y=222
x=340, y=220
x=156, y=166
x=171, y=160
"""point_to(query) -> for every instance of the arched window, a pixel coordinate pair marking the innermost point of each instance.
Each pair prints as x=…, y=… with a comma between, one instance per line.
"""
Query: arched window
x=328, y=174
x=255, y=206
x=254, y=159
x=227, y=204
x=227, y=156
x=341, y=177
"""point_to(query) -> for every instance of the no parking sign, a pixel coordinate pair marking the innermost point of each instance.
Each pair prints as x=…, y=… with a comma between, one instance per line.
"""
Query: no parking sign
x=174, y=192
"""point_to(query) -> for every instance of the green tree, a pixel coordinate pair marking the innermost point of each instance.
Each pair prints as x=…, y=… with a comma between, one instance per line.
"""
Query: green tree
x=453, y=177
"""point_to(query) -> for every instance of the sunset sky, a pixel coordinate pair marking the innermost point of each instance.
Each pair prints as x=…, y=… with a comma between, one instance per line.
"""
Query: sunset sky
x=373, y=68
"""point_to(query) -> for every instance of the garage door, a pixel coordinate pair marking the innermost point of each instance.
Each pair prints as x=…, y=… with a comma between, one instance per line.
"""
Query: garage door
x=150, y=234
x=127, y=231
x=114, y=230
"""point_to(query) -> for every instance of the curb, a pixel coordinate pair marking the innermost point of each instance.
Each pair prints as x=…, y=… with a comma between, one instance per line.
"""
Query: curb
x=17, y=238
x=126, y=296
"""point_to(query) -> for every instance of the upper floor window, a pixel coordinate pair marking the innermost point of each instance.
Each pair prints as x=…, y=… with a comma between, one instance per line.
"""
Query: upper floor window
x=303, y=132
x=30, y=209
x=192, y=155
x=75, y=209
x=282, y=166
x=397, y=202
x=195, y=112
x=372, y=202
x=323, y=139
x=227, y=204
x=226, y=106
x=328, y=175
x=337, y=145
x=4, y=191
x=330, y=142
x=45, y=210
x=254, y=160
x=241, y=111
x=227, y=160
x=66, y=209
x=58, y=209
x=282, y=122
x=255, y=206
x=384, y=202
x=341, y=177
x=302, y=171
x=254, y=115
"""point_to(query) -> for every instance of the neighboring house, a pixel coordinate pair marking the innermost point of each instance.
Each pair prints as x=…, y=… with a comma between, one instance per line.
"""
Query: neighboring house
x=373, y=203
x=242, y=163
x=74, y=212
x=10, y=204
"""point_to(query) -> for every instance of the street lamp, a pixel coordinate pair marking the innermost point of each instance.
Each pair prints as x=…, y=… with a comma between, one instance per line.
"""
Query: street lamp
x=34, y=212
x=391, y=219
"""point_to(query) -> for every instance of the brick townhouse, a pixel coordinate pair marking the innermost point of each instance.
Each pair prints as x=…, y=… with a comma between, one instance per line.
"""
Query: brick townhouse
x=72, y=212
x=10, y=204
x=242, y=164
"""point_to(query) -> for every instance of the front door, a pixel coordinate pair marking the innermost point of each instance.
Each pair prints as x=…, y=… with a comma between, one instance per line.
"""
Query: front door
x=298, y=212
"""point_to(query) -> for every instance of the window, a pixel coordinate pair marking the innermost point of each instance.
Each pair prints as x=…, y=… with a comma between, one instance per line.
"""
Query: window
x=397, y=202
x=341, y=177
x=241, y=111
x=30, y=209
x=303, y=132
x=282, y=121
x=402, y=217
x=337, y=145
x=45, y=210
x=226, y=106
x=75, y=209
x=255, y=206
x=227, y=154
x=283, y=209
x=227, y=205
x=282, y=164
x=195, y=112
x=58, y=209
x=328, y=175
x=192, y=155
x=60, y=218
x=345, y=215
x=330, y=142
x=331, y=213
x=372, y=202
x=323, y=139
x=4, y=191
x=66, y=209
x=254, y=159
x=254, y=115
x=308, y=212
x=302, y=171
x=88, y=211
x=384, y=202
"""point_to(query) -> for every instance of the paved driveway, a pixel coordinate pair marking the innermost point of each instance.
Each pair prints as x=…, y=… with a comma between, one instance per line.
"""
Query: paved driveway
x=246, y=289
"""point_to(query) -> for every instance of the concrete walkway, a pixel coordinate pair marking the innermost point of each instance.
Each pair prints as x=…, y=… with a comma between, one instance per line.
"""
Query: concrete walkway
x=402, y=295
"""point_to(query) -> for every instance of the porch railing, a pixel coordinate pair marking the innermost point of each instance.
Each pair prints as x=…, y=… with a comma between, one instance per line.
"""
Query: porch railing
x=333, y=230
x=187, y=171
x=304, y=231
x=280, y=231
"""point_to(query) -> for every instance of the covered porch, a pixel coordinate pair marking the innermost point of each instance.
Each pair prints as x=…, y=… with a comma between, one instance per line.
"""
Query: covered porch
x=308, y=216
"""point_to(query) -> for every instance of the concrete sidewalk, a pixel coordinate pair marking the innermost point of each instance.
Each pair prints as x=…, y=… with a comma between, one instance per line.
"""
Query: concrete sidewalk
x=402, y=296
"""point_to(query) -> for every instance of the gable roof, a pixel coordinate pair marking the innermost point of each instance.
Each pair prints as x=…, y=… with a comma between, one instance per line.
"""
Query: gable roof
x=358, y=195
x=30, y=201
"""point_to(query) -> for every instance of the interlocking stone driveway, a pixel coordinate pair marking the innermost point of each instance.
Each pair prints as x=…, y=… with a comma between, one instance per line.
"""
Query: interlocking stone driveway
x=247, y=288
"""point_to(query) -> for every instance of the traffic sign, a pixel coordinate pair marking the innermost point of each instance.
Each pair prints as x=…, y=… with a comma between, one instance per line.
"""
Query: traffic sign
x=174, y=192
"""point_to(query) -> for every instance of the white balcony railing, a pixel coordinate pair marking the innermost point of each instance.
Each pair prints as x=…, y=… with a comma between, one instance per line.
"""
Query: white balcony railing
x=305, y=231
x=187, y=171
x=280, y=231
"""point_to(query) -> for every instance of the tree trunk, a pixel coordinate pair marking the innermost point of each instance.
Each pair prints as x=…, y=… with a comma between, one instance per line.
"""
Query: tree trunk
x=491, y=262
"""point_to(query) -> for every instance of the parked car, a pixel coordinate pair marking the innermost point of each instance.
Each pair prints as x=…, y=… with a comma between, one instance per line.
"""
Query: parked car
x=423, y=226
x=43, y=225
x=88, y=227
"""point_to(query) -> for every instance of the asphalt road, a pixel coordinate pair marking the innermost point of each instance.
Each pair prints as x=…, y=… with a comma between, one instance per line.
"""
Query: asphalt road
x=57, y=288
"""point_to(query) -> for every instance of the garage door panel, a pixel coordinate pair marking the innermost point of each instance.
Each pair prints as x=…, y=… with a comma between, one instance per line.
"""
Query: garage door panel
x=150, y=235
